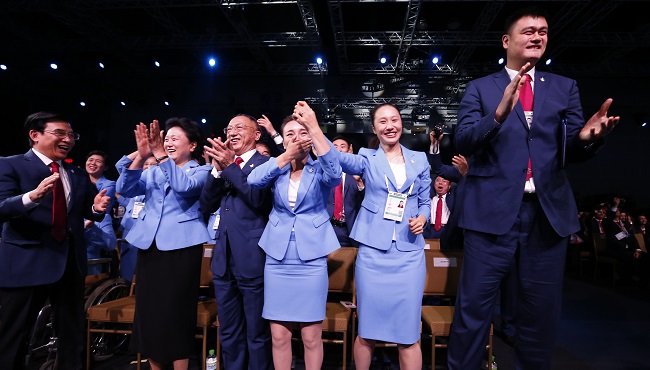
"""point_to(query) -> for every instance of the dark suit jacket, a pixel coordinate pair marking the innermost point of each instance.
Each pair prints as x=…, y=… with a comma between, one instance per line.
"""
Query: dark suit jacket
x=352, y=199
x=452, y=234
x=244, y=213
x=494, y=184
x=28, y=254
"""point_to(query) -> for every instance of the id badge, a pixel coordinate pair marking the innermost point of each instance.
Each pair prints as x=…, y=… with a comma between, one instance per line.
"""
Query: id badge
x=620, y=236
x=395, y=204
x=529, y=117
x=137, y=207
x=215, y=225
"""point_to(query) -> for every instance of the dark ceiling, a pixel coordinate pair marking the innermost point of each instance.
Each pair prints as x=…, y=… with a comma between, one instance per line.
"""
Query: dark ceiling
x=266, y=51
x=282, y=38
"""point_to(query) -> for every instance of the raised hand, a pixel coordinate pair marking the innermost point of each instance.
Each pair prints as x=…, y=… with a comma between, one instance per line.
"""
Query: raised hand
x=101, y=201
x=155, y=139
x=461, y=163
x=266, y=123
x=306, y=116
x=511, y=94
x=220, y=152
x=44, y=187
x=599, y=124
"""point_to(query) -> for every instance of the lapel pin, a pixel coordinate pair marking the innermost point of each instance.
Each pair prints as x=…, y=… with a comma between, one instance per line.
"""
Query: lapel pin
x=541, y=79
x=412, y=161
x=311, y=170
x=252, y=165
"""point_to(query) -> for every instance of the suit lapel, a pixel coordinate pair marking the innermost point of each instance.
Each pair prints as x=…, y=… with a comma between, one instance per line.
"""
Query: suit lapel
x=307, y=177
x=382, y=160
x=74, y=182
x=411, y=173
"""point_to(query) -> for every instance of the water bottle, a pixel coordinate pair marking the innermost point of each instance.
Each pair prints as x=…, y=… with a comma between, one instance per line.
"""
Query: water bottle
x=211, y=362
x=494, y=364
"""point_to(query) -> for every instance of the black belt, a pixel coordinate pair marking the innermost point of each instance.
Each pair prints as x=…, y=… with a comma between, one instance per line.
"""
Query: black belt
x=338, y=223
x=528, y=197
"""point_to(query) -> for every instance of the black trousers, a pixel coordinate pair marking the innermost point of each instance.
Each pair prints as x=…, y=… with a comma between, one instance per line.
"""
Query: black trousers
x=20, y=306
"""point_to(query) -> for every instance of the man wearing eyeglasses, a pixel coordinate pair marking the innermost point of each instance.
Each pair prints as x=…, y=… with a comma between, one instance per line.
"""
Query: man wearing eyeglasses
x=43, y=203
x=237, y=260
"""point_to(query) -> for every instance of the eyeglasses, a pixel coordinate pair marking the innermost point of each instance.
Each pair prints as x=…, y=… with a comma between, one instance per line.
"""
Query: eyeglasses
x=236, y=128
x=61, y=134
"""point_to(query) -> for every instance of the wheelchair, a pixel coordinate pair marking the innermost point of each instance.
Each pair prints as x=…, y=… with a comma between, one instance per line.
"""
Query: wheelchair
x=99, y=288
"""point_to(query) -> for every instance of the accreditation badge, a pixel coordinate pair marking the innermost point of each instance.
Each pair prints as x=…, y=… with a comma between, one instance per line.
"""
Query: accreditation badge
x=395, y=205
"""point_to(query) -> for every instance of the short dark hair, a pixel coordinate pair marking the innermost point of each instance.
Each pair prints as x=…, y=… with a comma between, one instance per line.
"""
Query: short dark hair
x=192, y=131
x=37, y=122
x=529, y=11
x=253, y=119
x=100, y=153
x=286, y=120
x=375, y=109
x=342, y=137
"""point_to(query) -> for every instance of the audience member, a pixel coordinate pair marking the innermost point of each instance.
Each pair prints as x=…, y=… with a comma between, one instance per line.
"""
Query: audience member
x=43, y=204
x=349, y=194
x=391, y=244
x=298, y=236
x=237, y=260
x=517, y=149
x=100, y=237
x=169, y=233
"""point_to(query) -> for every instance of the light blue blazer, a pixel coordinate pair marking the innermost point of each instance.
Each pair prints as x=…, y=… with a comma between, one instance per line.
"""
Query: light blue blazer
x=171, y=215
x=370, y=227
x=309, y=219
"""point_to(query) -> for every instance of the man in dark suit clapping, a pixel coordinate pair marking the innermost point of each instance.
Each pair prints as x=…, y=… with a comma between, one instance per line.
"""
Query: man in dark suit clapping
x=42, y=252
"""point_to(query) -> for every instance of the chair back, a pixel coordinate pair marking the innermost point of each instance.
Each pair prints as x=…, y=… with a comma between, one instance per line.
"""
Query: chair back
x=641, y=241
x=600, y=243
x=340, y=269
x=443, y=272
x=206, y=260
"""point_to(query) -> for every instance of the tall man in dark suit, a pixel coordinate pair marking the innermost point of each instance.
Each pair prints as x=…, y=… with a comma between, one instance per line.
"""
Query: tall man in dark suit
x=352, y=188
x=237, y=260
x=42, y=252
x=519, y=207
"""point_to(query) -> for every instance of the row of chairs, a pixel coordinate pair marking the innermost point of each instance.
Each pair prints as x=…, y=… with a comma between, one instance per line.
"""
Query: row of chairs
x=339, y=326
x=596, y=256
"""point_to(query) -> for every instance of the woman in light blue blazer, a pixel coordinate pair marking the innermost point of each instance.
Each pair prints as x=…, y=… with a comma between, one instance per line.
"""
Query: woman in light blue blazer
x=169, y=233
x=390, y=268
x=298, y=236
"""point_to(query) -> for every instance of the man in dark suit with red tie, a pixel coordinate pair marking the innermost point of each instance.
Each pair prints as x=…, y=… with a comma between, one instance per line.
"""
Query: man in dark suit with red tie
x=237, y=260
x=350, y=191
x=518, y=206
x=43, y=203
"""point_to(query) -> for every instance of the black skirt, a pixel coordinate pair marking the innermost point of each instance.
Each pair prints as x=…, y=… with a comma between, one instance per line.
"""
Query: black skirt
x=166, y=296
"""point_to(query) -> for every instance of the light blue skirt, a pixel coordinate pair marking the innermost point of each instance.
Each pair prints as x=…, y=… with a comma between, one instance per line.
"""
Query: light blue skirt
x=295, y=290
x=390, y=285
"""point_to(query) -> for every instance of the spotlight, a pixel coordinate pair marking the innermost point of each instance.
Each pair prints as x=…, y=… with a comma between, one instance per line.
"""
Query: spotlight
x=122, y=103
x=548, y=61
x=435, y=60
x=3, y=67
x=501, y=60
x=212, y=62
x=167, y=103
x=203, y=120
x=156, y=63
x=101, y=65
x=53, y=66
x=319, y=60
x=83, y=104
x=383, y=55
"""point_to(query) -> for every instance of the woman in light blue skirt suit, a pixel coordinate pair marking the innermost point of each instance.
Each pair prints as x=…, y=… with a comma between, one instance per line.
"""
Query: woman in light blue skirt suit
x=390, y=268
x=298, y=236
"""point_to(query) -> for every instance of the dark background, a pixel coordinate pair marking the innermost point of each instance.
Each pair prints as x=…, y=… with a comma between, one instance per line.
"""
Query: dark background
x=266, y=53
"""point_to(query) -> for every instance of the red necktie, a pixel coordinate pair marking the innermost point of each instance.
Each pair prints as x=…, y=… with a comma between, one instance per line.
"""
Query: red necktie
x=438, y=223
x=338, y=201
x=600, y=226
x=238, y=161
x=526, y=100
x=59, y=208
